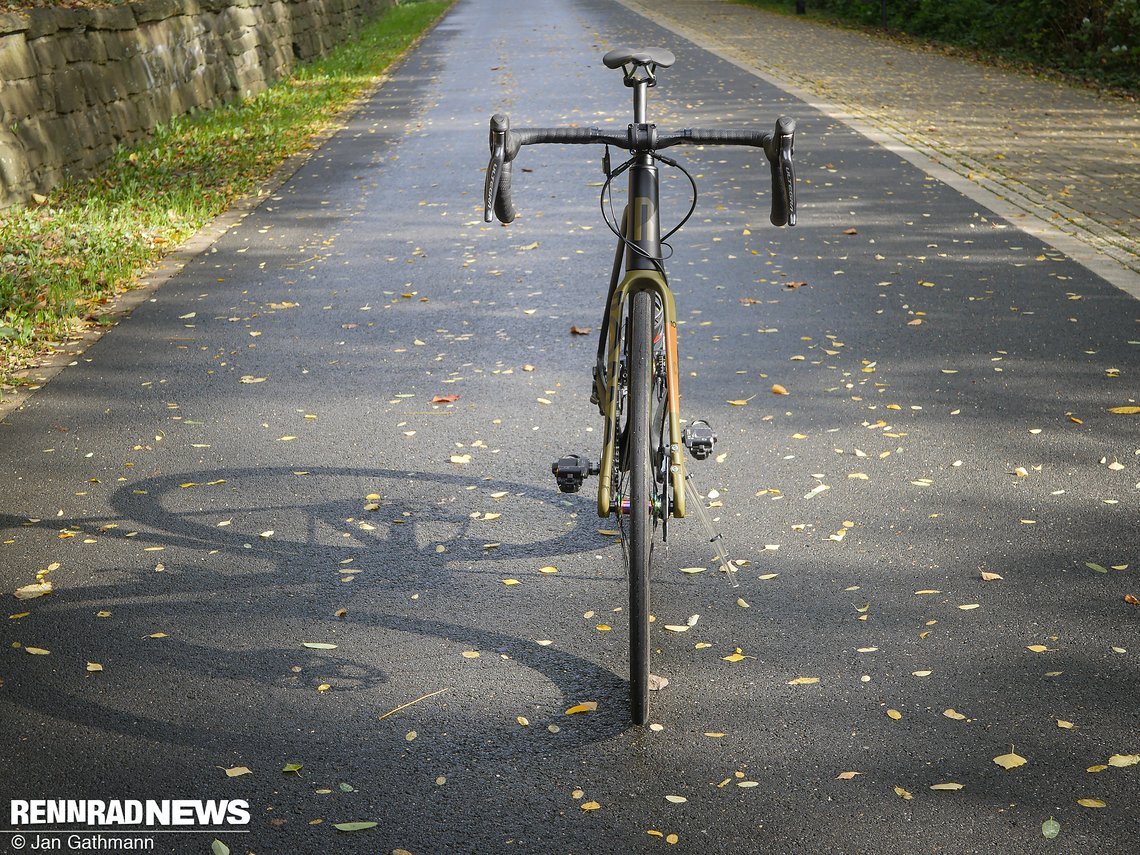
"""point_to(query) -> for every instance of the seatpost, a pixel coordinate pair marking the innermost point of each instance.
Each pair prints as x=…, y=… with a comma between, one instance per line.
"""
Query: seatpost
x=639, y=90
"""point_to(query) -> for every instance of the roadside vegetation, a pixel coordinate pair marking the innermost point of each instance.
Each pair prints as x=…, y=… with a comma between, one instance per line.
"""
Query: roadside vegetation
x=1095, y=41
x=66, y=255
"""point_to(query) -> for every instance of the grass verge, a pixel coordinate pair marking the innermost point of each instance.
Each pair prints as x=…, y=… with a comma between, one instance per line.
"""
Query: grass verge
x=62, y=261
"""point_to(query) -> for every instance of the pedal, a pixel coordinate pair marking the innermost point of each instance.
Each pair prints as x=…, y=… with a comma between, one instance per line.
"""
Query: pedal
x=571, y=470
x=699, y=439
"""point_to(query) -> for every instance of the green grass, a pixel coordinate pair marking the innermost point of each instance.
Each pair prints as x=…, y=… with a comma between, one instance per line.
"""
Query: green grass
x=60, y=262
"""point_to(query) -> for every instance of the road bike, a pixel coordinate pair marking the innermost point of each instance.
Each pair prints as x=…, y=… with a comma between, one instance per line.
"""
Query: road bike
x=641, y=473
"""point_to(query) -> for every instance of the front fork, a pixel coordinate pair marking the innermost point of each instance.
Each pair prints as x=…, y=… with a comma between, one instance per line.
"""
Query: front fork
x=608, y=391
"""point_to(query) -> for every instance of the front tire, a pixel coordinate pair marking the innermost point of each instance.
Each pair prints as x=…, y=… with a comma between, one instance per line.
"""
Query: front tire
x=641, y=511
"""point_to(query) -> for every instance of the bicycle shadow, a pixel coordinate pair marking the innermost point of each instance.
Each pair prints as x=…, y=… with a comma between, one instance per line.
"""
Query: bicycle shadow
x=284, y=581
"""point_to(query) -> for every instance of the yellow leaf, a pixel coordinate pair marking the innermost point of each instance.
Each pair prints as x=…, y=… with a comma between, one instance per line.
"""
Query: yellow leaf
x=324, y=687
x=926, y=591
x=733, y=657
x=969, y=606
x=1122, y=760
x=1036, y=648
x=677, y=800
x=1067, y=725
x=947, y=786
x=954, y=714
x=1010, y=760
x=895, y=714
x=238, y=770
x=1099, y=767
x=846, y=776
x=37, y=651
x=30, y=592
x=523, y=720
x=603, y=627
x=672, y=627
x=903, y=794
x=460, y=459
x=921, y=673
x=1125, y=411
x=739, y=403
x=740, y=601
x=590, y=806
x=692, y=570
x=470, y=654
x=1092, y=803
x=671, y=839
x=94, y=666
x=410, y=736
x=585, y=706
x=548, y=570
x=803, y=681
x=989, y=577
x=777, y=389
x=511, y=581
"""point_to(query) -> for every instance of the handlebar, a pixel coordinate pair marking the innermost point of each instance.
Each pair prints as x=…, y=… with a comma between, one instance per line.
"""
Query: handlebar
x=505, y=144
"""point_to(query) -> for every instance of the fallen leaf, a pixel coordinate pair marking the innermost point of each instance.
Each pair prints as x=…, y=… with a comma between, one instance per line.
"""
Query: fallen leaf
x=36, y=589
x=590, y=806
x=1125, y=411
x=1037, y=648
x=94, y=667
x=460, y=459
x=677, y=800
x=238, y=770
x=1010, y=760
x=1067, y=725
x=316, y=645
x=895, y=714
x=950, y=785
x=803, y=681
x=354, y=826
x=777, y=389
x=445, y=399
x=511, y=582
x=1122, y=760
x=1050, y=828
x=969, y=606
x=846, y=776
x=577, y=330
x=293, y=767
x=470, y=654
x=989, y=577
x=584, y=707
x=851, y=231
x=903, y=794
x=793, y=285
x=954, y=714
x=734, y=657
x=1092, y=803
x=1131, y=600
x=37, y=651
x=921, y=673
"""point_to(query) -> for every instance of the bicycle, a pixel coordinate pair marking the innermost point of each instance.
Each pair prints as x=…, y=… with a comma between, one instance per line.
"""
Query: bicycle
x=641, y=473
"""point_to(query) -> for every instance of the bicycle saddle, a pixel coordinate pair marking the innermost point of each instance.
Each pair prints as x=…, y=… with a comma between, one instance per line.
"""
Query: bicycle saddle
x=619, y=56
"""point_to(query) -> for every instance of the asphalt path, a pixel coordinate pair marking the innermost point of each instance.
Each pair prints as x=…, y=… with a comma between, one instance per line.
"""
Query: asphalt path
x=260, y=458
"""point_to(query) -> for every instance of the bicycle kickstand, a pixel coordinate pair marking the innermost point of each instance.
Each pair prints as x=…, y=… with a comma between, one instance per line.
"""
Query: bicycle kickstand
x=695, y=500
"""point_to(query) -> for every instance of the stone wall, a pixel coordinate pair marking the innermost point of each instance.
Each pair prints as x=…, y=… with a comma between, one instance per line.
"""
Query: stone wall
x=75, y=84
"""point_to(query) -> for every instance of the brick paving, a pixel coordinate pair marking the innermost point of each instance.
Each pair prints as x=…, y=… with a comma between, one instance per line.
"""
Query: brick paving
x=1062, y=155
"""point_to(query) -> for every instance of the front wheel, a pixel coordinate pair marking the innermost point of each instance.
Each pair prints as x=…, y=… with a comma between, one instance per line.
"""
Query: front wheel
x=640, y=491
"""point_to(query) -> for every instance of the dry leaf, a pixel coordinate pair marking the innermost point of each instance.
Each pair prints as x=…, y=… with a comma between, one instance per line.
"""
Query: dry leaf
x=590, y=806
x=30, y=592
x=846, y=776
x=777, y=389
x=1067, y=725
x=947, y=786
x=969, y=606
x=677, y=800
x=903, y=794
x=954, y=714
x=1092, y=803
x=94, y=667
x=895, y=714
x=803, y=681
x=1122, y=760
x=577, y=330
x=584, y=707
x=445, y=399
x=1125, y=411
x=1010, y=760
x=989, y=577
x=1131, y=600
x=1037, y=648
x=238, y=770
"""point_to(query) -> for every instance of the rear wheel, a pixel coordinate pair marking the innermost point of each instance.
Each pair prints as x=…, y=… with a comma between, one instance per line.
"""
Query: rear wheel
x=640, y=491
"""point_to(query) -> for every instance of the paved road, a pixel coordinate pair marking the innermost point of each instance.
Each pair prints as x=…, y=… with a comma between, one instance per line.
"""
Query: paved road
x=203, y=487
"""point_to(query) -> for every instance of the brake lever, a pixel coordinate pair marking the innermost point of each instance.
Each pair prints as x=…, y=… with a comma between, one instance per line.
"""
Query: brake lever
x=498, y=144
x=779, y=154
